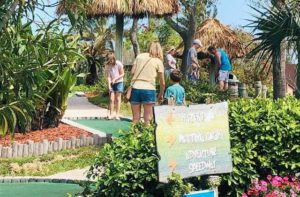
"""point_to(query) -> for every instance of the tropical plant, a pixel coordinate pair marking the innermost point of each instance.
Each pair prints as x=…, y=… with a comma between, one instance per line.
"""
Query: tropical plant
x=35, y=70
x=275, y=27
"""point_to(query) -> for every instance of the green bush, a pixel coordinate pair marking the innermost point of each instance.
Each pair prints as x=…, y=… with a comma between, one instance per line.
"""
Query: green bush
x=265, y=139
x=202, y=92
x=129, y=166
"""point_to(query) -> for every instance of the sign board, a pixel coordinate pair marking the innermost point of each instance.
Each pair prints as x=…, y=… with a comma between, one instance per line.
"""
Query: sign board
x=193, y=141
x=205, y=193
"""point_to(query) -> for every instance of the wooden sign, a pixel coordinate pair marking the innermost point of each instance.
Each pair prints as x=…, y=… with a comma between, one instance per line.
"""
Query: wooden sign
x=193, y=141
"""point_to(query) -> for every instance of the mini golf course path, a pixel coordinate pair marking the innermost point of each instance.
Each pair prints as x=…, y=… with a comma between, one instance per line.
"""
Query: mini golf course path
x=80, y=107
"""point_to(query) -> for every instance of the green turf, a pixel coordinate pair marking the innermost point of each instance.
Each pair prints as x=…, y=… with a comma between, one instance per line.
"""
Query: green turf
x=107, y=126
x=38, y=189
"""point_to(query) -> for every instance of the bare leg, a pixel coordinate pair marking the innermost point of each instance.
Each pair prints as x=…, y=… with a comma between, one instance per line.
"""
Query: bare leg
x=136, y=112
x=111, y=104
x=148, y=113
x=225, y=86
x=118, y=104
x=221, y=85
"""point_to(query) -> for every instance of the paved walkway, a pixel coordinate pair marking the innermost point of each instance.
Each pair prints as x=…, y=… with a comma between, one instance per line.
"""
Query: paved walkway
x=77, y=174
x=80, y=107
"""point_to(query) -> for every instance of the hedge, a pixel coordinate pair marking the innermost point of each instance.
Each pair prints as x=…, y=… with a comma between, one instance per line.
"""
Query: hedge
x=265, y=139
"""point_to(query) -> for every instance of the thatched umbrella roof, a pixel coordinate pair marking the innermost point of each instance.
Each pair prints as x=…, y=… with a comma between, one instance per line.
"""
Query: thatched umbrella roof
x=123, y=8
x=132, y=8
x=212, y=33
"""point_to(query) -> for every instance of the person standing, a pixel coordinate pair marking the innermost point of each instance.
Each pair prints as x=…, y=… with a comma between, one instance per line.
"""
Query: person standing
x=224, y=66
x=192, y=61
x=115, y=77
x=175, y=93
x=145, y=69
x=171, y=61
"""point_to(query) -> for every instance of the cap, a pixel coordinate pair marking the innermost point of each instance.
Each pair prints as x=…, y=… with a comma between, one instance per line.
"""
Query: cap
x=198, y=42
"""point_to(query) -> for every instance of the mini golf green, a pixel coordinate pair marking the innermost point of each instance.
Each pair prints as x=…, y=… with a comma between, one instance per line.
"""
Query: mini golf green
x=38, y=189
x=106, y=126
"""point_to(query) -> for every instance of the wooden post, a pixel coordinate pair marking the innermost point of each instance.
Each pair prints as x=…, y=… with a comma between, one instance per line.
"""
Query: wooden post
x=119, y=37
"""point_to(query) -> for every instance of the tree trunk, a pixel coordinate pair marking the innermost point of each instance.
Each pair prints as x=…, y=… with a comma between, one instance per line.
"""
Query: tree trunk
x=9, y=13
x=119, y=37
x=212, y=73
x=298, y=72
x=187, y=45
x=279, y=77
x=133, y=37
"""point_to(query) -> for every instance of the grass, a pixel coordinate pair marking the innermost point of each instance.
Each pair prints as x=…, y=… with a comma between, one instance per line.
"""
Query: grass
x=103, y=102
x=49, y=164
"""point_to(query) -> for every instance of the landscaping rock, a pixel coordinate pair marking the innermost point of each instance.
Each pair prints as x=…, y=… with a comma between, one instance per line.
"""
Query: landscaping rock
x=15, y=149
x=4, y=152
x=45, y=146
x=68, y=144
x=60, y=142
x=40, y=149
x=25, y=150
x=109, y=138
x=9, y=152
x=77, y=143
x=20, y=150
x=73, y=142
x=30, y=147
x=81, y=140
x=96, y=139
x=55, y=146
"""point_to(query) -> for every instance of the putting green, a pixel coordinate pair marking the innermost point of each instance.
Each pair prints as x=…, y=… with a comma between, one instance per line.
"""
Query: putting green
x=38, y=189
x=106, y=126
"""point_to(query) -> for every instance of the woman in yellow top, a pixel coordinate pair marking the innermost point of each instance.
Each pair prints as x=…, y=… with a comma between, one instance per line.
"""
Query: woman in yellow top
x=145, y=69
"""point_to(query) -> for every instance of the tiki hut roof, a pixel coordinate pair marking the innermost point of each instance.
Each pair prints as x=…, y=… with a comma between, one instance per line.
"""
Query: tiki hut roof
x=212, y=33
x=134, y=8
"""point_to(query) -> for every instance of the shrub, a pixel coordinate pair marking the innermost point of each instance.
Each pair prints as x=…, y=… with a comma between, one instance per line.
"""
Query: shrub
x=265, y=138
x=129, y=166
x=202, y=92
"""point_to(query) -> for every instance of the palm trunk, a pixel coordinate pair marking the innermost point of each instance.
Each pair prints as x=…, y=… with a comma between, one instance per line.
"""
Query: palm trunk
x=279, y=77
x=298, y=72
x=119, y=37
x=133, y=37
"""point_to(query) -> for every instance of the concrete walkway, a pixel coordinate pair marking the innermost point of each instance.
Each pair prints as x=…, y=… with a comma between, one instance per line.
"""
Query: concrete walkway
x=80, y=107
x=77, y=174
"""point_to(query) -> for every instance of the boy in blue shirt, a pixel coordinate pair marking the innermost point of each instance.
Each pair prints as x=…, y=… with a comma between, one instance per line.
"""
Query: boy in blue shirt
x=175, y=93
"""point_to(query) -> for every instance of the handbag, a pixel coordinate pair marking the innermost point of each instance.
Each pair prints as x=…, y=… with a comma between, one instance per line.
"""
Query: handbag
x=127, y=93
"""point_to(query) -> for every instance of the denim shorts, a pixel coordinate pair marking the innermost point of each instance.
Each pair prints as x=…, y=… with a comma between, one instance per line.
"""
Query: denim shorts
x=118, y=87
x=140, y=96
x=223, y=75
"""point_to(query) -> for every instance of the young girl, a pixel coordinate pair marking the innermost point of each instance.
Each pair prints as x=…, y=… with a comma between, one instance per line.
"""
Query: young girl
x=115, y=74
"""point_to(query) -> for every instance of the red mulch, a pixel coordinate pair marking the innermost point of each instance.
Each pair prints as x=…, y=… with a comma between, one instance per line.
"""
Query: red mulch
x=91, y=94
x=62, y=131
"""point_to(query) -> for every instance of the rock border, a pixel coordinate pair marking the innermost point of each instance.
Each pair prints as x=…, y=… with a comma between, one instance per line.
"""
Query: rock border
x=17, y=150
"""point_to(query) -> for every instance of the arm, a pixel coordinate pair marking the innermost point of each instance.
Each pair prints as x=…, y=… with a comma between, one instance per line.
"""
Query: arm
x=162, y=87
x=121, y=72
x=133, y=68
x=218, y=58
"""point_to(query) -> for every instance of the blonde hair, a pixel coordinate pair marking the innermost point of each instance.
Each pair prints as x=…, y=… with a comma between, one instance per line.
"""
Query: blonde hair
x=155, y=50
x=110, y=61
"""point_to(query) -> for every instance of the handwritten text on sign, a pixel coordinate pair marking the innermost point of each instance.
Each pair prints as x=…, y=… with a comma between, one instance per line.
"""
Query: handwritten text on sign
x=193, y=141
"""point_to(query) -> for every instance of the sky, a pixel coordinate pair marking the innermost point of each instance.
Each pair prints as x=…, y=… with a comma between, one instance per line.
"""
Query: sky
x=230, y=12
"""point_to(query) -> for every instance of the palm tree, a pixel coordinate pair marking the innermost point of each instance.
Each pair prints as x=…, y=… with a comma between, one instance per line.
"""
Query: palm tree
x=276, y=28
